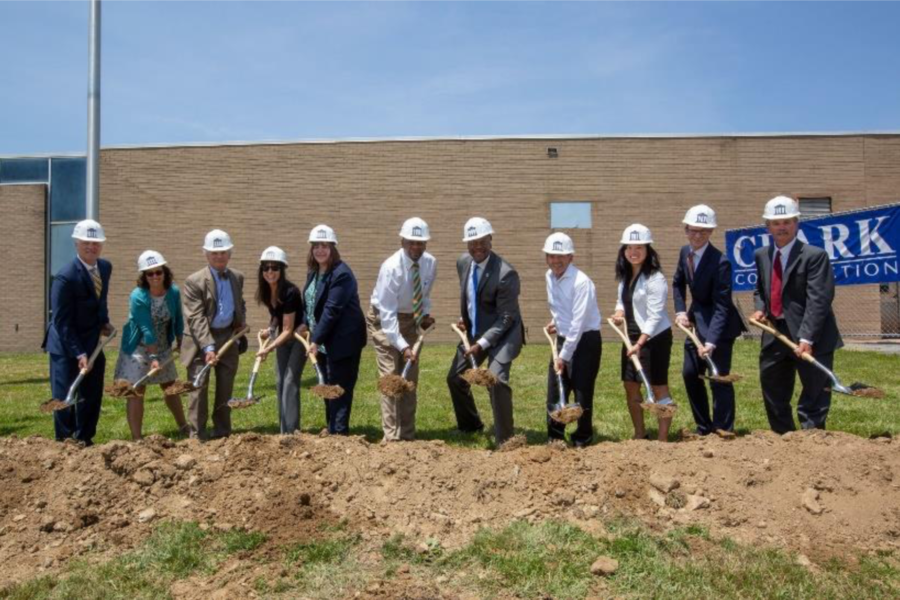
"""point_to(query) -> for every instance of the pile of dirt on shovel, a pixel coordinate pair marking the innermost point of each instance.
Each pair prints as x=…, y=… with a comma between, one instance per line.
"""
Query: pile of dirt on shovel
x=820, y=493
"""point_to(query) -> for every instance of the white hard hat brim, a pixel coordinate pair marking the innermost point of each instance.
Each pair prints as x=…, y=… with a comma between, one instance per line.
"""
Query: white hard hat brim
x=225, y=249
x=82, y=238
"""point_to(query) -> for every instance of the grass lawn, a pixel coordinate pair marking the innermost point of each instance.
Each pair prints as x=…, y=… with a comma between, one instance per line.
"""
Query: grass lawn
x=24, y=385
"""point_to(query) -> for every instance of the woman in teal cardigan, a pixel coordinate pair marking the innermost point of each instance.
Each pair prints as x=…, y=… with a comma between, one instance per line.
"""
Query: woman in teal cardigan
x=155, y=321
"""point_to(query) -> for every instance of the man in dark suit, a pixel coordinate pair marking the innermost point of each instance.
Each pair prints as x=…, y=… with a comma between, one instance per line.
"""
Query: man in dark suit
x=213, y=303
x=79, y=316
x=489, y=304
x=794, y=290
x=706, y=272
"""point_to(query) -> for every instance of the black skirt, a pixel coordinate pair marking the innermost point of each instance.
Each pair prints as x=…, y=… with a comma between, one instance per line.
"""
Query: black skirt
x=655, y=357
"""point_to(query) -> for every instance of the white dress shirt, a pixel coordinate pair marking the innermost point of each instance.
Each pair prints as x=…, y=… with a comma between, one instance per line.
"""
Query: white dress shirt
x=394, y=292
x=471, y=295
x=573, y=304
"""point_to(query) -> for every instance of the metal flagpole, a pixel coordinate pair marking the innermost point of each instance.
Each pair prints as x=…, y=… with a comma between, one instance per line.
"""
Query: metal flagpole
x=93, y=149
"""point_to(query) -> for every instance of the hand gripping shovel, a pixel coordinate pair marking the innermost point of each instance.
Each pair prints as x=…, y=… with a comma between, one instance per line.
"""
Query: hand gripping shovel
x=250, y=400
x=855, y=389
x=71, y=398
x=393, y=385
x=714, y=374
x=663, y=410
x=562, y=412
x=121, y=388
x=476, y=375
x=180, y=387
x=322, y=390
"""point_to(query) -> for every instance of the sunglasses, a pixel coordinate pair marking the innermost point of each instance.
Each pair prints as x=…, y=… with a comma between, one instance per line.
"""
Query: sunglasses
x=154, y=273
x=270, y=267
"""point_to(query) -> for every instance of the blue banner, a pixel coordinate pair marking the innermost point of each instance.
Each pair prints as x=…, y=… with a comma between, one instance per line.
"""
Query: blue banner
x=862, y=246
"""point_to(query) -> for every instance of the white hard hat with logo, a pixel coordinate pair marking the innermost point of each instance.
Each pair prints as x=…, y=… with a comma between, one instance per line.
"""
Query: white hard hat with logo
x=274, y=254
x=322, y=233
x=416, y=230
x=781, y=207
x=559, y=243
x=89, y=230
x=636, y=234
x=217, y=241
x=476, y=228
x=701, y=216
x=150, y=259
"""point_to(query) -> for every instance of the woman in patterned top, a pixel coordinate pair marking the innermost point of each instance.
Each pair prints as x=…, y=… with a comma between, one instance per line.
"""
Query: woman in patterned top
x=154, y=322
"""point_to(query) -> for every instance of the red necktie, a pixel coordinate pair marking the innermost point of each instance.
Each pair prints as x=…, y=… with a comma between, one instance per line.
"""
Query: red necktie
x=777, y=272
x=691, y=264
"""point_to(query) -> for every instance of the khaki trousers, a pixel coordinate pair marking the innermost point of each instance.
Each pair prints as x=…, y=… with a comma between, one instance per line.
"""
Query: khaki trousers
x=398, y=416
x=225, y=371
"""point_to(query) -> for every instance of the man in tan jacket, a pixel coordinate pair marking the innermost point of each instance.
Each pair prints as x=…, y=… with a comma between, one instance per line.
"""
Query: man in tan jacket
x=213, y=302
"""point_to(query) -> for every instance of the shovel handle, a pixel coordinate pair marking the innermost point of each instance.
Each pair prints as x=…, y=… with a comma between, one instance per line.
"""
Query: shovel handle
x=462, y=335
x=765, y=326
x=634, y=357
x=221, y=352
x=552, y=339
x=690, y=333
x=153, y=372
x=263, y=344
x=306, y=345
x=98, y=350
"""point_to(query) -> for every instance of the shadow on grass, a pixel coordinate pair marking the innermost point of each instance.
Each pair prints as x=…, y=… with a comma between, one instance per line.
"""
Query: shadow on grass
x=29, y=381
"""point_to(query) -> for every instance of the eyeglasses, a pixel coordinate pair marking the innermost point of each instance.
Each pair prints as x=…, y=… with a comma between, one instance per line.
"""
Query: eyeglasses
x=697, y=232
x=270, y=267
x=154, y=273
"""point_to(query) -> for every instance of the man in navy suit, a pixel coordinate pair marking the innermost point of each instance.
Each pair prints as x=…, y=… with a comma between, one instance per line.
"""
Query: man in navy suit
x=706, y=272
x=79, y=316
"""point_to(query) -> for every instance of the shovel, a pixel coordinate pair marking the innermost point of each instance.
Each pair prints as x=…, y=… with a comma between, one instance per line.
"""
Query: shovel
x=71, y=399
x=250, y=400
x=666, y=409
x=393, y=385
x=181, y=387
x=476, y=375
x=322, y=390
x=121, y=388
x=855, y=389
x=713, y=370
x=562, y=412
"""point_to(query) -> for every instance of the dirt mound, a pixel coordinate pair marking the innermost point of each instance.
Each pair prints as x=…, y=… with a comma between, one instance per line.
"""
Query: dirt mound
x=821, y=493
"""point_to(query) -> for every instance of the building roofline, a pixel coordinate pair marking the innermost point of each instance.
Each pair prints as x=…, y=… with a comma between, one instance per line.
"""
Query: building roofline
x=464, y=138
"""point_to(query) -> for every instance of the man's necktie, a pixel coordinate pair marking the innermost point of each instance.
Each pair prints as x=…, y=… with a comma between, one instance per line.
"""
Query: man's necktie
x=98, y=282
x=691, y=264
x=417, y=294
x=474, y=299
x=777, y=276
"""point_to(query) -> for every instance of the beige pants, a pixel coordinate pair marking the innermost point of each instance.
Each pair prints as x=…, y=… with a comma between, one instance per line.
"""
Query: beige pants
x=225, y=371
x=398, y=416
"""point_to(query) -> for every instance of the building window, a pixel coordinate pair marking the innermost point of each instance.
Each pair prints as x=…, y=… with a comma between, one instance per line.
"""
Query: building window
x=815, y=207
x=570, y=215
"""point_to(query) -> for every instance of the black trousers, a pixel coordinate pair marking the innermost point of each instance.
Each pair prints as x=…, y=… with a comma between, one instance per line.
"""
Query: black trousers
x=467, y=417
x=580, y=377
x=343, y=372
x=778, y=367
x=722, y=393
x=79, y=421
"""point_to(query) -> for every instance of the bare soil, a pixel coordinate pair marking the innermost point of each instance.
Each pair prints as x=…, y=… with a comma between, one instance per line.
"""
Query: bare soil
x=825, y=494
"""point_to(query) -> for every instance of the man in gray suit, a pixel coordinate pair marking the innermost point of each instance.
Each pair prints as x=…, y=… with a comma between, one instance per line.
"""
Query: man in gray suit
x=213, y=304
x=794, y=290
x=489, y=305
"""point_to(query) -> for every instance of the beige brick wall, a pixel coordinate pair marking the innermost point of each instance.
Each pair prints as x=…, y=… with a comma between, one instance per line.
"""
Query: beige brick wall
x=22, y=235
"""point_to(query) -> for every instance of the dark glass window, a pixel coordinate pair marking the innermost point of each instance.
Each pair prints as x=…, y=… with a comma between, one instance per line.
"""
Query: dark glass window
x=62, y=247
x=24, y=170
x=67, y=189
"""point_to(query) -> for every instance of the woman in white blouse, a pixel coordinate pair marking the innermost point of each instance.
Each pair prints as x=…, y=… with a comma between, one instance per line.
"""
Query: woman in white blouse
x=641, y=305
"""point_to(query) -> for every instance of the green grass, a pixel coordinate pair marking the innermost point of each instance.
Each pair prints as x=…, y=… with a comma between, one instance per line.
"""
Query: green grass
x=23, y=385
x=175, y=550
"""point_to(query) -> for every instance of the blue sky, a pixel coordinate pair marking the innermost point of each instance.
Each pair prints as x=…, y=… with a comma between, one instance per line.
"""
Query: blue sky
x=218, y=71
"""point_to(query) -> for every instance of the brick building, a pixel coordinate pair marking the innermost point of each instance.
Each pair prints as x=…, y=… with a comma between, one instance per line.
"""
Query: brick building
x=167, y=198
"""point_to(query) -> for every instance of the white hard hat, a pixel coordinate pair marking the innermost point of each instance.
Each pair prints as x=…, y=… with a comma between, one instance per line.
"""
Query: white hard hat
x=781, y=207
x=701, y=216
x=274, y=254
x=89, y=230
x=415, y=229
x=150, y=259
x=322, y=233
x=476, y=228
x=636, y=234
x=559, y=243
x=217, y=241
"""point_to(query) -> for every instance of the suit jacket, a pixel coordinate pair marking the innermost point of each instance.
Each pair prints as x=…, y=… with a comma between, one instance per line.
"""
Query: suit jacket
x=806, y=295
x=340, y=324
x=499, y=319
x=77, y=313
x=199, y=305
x=712, y=310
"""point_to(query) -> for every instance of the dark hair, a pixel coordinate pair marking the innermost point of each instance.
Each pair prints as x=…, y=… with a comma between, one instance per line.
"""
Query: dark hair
x=168, y=277
x=649, y=267
x=264, y=290
x=333, y=260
